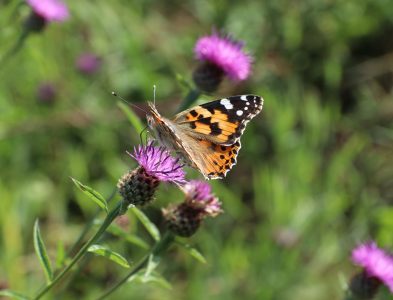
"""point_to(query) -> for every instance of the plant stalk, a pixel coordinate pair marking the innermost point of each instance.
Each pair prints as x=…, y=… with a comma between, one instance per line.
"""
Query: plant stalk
x=191, y=97
x=157, y=249
x=108, y=220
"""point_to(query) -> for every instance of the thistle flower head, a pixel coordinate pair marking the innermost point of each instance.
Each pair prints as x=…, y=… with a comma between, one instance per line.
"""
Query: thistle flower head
x=199, y=196
x=137, y=187
x=184, y=219
x=158, y=162
x=50, y=10
x=376, y=262
x=224, y=53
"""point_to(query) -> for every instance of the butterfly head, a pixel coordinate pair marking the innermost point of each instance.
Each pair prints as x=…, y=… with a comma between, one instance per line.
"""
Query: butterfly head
x=160, y=126
x=153, y=116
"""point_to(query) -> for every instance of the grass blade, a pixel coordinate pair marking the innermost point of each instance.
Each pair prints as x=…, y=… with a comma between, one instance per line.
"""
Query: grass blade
x=131, y=116
x=150, y=227
x=41, y=252
x=192, y=251
x=152, y=278
x=92, y=194
x=13, y=295
x=110, y=254
x=129, y=237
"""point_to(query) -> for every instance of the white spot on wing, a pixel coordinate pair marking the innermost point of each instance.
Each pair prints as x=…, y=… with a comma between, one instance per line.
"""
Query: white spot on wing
x=239, y=112
x=227, y=104
x=246, y=108
x=244, y=98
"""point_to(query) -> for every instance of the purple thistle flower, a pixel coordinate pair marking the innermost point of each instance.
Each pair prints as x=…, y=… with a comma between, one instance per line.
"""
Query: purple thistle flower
x=376, y=262
x=185, y=218
x=226, y=54
x=158, y=162
x=199, y=196
x=138, y=187
x=50, y=10
x=88, y=63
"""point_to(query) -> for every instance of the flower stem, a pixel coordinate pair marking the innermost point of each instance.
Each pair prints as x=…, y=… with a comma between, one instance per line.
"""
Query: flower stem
x=108, y=220
x=15, y=48
x=157, y=249
x=192, y=96
x=88, y=225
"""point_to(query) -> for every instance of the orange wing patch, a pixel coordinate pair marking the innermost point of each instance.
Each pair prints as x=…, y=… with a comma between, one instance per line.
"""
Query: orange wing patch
x=213, y=124
x=218, y=160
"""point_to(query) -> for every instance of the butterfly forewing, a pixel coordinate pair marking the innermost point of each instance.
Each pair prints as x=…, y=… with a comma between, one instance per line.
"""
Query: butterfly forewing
x=221, y=121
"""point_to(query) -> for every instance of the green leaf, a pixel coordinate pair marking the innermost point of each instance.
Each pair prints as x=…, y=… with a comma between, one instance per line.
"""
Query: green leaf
x=192, y=251
x=61, y=254
x=131, y=116
x=108, y=253
x=92, y=194
x=13, y=295
x=41, y=252
x=152, y=278
x=153, y=262
x=150, y=227
x=131, y=238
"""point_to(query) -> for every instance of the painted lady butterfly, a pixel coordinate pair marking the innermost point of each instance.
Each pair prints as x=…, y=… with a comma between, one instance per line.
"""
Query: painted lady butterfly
x=207, y=136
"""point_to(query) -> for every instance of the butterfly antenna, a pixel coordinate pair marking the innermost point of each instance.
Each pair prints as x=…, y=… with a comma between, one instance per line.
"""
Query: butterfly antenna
x=129, y=103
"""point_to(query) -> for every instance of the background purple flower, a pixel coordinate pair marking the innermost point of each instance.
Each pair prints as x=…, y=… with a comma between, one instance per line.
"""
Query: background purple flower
x=375, y=261
x=88, y=63
x=50, y=10
x=225, y=53
x=46, y=92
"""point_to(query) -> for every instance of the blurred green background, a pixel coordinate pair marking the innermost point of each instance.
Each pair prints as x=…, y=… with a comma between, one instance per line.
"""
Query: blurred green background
x=313, y=179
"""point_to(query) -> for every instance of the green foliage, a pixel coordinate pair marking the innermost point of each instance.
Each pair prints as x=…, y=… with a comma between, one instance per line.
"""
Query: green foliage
x=13, y=295
x=92, y=194
x=192, y=251
x=151, y=278
x=41, y=252
x=110, y=254
x=149, y=226
x=132, y=117
x=125, y=236
x=313, y=177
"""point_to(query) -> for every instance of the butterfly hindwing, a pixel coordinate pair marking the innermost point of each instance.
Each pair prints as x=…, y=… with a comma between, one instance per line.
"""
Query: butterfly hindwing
x=212, y=160
x=221, y=160
x=221, y=121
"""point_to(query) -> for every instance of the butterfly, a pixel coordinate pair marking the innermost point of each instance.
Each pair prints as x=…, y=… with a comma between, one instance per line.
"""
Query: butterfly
x=207, y=136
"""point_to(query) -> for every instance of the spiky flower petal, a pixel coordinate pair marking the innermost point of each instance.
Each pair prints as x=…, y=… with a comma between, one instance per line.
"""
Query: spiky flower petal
x=226, y=54
x=138, y=187
x=199, y=196
x=50, y=10
x=158, y=162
